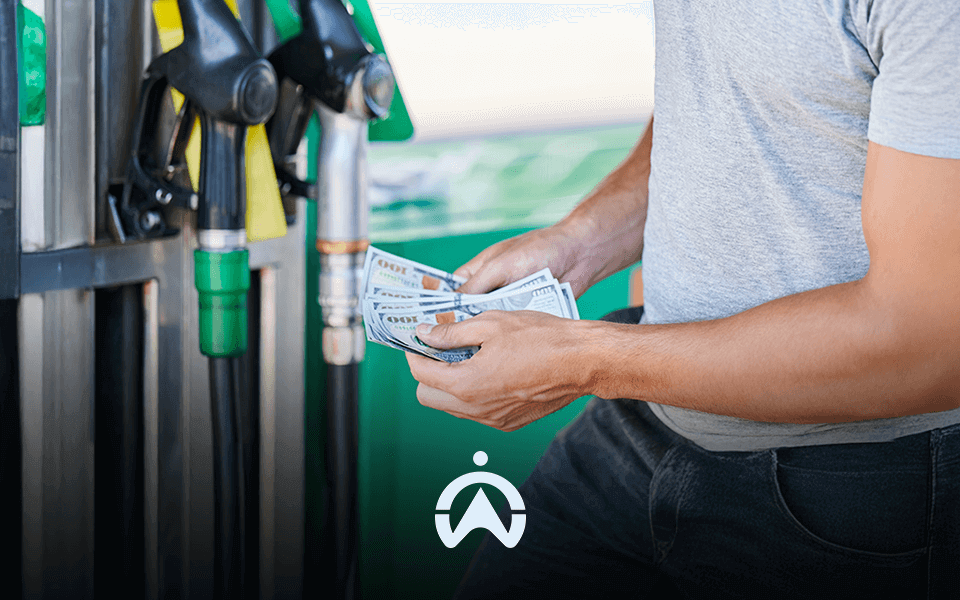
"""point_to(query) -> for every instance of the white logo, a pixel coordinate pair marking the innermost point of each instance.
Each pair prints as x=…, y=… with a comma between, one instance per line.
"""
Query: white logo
x=480, y=513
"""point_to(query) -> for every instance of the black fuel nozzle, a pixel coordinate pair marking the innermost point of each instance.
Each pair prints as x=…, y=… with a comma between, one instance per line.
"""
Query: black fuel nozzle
x=326, y=57
x=328, y=63
x=229, y=86
x=328, y=69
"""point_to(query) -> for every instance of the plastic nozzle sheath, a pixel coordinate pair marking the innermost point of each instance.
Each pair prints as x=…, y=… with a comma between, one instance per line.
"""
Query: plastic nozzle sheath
x=222, y=271
x=222, y=280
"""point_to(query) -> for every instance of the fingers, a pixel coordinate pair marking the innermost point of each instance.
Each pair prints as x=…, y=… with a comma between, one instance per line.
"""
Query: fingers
x=440, y=400
x=453, y=335
x=472, y=266
x=485, y=280
x=433, y=373
x=468, y=269
x=482, y=275
x=484, y=272
x=503, y=418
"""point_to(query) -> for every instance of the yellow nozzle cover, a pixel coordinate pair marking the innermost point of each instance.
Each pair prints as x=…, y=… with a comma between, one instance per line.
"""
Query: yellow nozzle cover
x=265, y=218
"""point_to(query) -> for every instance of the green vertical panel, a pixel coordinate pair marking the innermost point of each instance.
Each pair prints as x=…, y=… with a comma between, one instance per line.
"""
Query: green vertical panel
x=32, y=66
x=409, y=453
x=314, y=417
x=397, y=127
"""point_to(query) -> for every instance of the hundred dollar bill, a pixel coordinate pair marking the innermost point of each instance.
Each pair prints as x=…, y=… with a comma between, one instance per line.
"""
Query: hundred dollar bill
x=399, y=294
x=403, y=292
x=402, y=336
x=543, y=297
x=375, y=289
x=383, y=268
x=399, y=326
x=384, y=293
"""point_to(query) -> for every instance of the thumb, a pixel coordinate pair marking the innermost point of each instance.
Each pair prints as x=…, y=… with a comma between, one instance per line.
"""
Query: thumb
x=447, y=336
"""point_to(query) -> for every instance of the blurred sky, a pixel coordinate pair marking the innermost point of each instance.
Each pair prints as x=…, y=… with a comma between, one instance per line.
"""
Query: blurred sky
x=482, y=68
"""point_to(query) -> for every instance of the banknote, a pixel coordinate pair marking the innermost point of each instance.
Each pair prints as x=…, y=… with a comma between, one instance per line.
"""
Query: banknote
x=545, y=297
x=394, y=291
x=398, y=325
x=399, y=294
x=383, y=268
x=394, y=297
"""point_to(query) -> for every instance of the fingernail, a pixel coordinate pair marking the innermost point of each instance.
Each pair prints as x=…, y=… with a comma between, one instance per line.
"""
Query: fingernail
x=424, y=329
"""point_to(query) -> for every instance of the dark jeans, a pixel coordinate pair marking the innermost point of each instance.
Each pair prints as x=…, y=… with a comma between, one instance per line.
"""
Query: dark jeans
x=620, y=506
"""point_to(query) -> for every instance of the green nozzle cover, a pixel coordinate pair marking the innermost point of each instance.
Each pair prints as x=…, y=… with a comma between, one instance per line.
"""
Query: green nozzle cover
x=222, y=279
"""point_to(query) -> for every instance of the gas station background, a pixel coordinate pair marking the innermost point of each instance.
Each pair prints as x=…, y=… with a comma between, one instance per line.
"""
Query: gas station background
x=516, y=118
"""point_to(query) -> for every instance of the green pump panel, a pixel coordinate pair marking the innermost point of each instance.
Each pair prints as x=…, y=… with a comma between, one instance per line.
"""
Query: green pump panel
x=32, y=66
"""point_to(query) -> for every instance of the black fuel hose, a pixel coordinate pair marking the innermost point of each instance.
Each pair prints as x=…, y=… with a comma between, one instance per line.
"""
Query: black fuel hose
x=342, y=451
x=226, y=387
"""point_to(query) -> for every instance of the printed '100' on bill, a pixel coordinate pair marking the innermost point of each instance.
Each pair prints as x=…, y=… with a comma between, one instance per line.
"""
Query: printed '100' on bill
x=383, y=268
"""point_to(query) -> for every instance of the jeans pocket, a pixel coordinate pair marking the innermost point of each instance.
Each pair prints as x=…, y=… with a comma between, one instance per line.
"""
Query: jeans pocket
x=867, y=513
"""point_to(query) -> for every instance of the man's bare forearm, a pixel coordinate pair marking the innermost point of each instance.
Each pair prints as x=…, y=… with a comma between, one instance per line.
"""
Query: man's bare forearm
x=887, y=345
x=609, y=221
x=835, y=354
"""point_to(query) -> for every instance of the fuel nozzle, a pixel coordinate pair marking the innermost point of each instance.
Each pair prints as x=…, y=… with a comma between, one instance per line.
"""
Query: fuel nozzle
x=327, y=57
x=329, y=69
x=228, y=86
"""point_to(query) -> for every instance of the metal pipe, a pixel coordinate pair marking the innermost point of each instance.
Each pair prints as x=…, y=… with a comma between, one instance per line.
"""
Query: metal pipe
x=342, y=240
x=342, y=224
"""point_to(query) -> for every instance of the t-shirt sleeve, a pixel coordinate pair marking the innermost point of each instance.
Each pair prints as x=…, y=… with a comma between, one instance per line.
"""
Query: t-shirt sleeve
x=915, y=105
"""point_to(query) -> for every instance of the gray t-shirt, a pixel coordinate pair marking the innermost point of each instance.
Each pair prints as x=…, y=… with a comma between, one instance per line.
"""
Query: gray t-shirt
x=763, y=112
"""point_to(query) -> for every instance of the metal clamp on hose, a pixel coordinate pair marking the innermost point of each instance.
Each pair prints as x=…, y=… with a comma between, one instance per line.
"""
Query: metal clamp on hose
x=344, y=340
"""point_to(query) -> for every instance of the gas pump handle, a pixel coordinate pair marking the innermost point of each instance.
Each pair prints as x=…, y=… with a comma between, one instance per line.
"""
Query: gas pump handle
x=228, y=86
x=326, y=55
x=223, y=181
x=217, y=67
x=322, y=65
x=136, y=202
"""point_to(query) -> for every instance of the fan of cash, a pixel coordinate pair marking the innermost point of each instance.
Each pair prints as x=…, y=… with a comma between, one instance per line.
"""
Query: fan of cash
x=399, y=294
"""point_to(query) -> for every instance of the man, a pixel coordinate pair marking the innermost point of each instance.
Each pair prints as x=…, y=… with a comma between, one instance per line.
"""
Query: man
x=786, y=413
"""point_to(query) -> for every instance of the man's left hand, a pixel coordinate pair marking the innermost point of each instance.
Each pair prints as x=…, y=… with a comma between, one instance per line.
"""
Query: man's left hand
x=528, y=366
